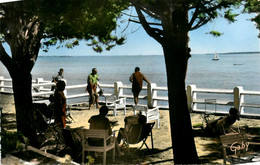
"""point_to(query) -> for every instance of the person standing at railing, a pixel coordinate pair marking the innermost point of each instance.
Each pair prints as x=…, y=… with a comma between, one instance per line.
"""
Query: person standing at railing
x=92, y=88
x=60, y=104
x=137, y=83
x=59, y=77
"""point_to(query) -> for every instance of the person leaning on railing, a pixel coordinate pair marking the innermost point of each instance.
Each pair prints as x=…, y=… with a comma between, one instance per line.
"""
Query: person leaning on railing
x=137, y=83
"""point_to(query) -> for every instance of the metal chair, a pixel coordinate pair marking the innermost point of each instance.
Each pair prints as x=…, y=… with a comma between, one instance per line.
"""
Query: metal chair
x=46, y=128
x=150, y=113
x=113, y=103
x=207, y=115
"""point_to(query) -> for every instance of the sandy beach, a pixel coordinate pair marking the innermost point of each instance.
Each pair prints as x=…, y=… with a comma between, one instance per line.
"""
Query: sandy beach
x=208, y=148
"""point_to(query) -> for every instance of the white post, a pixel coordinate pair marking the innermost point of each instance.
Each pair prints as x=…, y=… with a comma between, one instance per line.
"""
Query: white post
x=2, y=83
x=118, y=90
x=151, y=94
x=238, y=99
x=39, y=81
x=65, y=90
x=191, y=95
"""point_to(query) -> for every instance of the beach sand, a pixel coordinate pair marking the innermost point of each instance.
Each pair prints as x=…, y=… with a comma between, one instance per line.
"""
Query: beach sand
x=208, y=148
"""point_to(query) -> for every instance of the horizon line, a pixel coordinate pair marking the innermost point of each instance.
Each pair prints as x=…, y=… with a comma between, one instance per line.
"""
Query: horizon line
x=246, y=52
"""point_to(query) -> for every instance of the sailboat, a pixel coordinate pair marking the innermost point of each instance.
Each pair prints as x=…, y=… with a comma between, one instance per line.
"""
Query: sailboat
x=216, y=58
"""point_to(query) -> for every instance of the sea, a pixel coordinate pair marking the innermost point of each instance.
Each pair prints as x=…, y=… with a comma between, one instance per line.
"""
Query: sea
x=231, y=70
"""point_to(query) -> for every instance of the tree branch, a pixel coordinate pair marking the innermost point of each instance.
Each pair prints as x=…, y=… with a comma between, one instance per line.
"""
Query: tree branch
x=201, y=8
x=149, y=23
x=130, y=15
x=150, y=31
x=149, y=9
x=195, y=15
x=201, y=23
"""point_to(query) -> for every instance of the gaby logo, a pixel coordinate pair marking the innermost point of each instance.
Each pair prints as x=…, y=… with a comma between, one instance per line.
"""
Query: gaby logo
x=5, y=1
x=236, y=146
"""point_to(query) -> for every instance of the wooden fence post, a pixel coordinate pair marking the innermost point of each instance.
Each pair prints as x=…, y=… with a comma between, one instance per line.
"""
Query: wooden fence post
x=238, y=99
x=191, y=95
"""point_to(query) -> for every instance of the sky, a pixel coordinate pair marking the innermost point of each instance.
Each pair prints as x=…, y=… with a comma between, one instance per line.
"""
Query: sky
x=240, y=36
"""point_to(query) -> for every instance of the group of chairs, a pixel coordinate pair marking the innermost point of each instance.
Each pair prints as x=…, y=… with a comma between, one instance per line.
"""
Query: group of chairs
x=77, y=139
x=235, y=145
x=120, y=103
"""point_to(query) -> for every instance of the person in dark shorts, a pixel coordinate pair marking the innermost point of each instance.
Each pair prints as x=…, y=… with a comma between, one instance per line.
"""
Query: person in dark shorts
x=137, y=83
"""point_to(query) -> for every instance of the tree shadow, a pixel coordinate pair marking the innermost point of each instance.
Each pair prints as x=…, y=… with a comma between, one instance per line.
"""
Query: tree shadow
x=215, y=150
x=137, y=156
x=215, y=147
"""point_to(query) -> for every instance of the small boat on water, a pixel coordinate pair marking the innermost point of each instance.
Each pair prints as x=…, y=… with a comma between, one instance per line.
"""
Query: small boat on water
x=216, y=58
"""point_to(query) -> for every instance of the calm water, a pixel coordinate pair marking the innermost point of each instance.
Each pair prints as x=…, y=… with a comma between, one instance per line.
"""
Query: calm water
x=230, y=71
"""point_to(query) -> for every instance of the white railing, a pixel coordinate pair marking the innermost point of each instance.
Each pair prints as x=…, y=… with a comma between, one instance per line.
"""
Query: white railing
x=238, y=100
x=196, y=103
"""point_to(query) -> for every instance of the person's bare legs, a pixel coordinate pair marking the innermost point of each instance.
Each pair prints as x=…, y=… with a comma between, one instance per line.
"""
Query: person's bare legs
x=136, y=94
x=91, y=99
x=96, y=100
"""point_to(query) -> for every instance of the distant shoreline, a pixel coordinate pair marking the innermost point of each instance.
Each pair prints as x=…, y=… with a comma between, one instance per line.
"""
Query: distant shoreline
x=255, y=52
x=227, y=53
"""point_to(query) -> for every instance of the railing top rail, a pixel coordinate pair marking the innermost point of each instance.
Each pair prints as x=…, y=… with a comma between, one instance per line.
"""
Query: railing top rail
x=107, y=85
x=43, y=84
x=219, y=91
x=5, y=79
x=130, y=87
x=246, y=92
x=76, y=86
x=161, y=88
x=126, y=86
x=42, y=93
x=6, y=86
x=84, y=85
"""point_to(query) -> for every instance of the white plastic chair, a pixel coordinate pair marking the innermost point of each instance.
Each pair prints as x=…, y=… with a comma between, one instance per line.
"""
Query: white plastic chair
x=113, y=103
x=150, y=113
x=97, y=134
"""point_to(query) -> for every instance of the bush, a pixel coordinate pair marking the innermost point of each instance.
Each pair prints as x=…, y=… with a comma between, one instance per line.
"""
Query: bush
x=9, y=141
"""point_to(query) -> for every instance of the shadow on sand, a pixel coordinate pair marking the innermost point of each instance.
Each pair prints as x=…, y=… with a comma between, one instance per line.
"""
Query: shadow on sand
x=8, y=121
